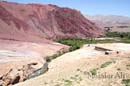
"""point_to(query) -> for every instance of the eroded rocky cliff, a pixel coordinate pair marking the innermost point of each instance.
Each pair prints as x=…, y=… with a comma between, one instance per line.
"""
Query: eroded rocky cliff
x=35, y=21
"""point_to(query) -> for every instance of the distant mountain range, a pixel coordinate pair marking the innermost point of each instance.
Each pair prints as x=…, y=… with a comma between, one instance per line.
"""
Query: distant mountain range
x=110, y=20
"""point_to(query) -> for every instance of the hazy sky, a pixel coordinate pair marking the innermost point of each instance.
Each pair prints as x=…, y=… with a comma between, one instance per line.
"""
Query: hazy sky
x=89, y=7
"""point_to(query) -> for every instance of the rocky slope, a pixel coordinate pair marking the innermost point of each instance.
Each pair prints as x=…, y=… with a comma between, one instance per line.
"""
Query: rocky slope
x=34, y=21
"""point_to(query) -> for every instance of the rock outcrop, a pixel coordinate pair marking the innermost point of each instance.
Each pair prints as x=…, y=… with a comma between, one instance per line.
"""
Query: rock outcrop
x=22, y=60
x=17, y=75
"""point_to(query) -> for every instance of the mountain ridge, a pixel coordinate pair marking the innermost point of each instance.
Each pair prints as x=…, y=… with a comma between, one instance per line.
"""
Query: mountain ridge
x=29, y=21
x=109, y=20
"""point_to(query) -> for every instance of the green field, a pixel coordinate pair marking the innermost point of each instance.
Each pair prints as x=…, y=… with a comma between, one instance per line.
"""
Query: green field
x=77, y=43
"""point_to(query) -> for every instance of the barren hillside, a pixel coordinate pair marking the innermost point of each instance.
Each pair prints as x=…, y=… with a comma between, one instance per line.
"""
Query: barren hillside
x=36, y=21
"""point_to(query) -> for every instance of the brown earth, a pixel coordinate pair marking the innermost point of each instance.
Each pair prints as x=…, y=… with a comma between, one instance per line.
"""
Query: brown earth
x=71, y=69
x=20, y=59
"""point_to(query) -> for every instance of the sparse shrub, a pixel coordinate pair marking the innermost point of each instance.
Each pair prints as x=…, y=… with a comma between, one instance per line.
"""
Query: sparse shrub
x=94, y=71
x=128, y=65
x=67, y=83
x=118, y=69
x=126, y=82
x=49, y=58
x=80, y=78
x=106, y=64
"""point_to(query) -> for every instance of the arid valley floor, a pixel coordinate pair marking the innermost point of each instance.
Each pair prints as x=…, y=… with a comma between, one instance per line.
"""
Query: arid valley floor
x=88, y=66
x=49, y=45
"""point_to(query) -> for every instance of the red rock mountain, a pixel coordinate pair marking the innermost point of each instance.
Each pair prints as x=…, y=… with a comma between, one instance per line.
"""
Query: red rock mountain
x=34, y=22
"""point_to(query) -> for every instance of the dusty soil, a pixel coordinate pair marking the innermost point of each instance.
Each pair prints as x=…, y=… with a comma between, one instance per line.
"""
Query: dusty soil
x=74, y=68
x=15, y=54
